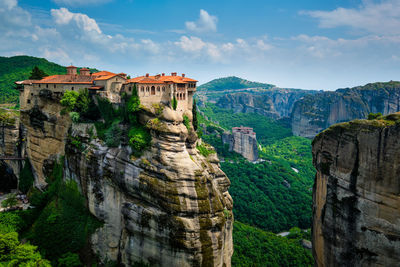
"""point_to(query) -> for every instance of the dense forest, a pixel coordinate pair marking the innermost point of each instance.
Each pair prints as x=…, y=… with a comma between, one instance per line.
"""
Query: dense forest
x=271, y=196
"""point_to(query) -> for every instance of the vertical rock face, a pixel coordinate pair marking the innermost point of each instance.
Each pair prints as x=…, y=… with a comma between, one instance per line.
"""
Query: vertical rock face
x=356, y=196
x=46, y=130
x=170, y=207
x=275, y=103
x=314, y=113
x=243, y=141
x=11, y=146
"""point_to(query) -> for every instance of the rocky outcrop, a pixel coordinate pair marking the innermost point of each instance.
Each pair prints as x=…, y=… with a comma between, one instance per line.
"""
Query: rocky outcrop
x=46, y=131
x=356, y=195
x=275, y=103
x=314, y=113
x=169, y=207
x=11, y=148
x=242, y=140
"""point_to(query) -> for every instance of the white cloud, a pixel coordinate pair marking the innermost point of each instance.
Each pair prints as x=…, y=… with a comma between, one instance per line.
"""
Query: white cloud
x=80, y=2
x=9, y=4
x=190, y=44
x=263, y=46
x=377, y=18
x=205, y=23
x=63, y=16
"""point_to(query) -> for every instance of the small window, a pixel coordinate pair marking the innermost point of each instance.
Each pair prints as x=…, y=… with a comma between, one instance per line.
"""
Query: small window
x=72, y=88
x=55, y=86
x=158, y=88
x=31, y=94
x=147, y=89
x=130, y=88
x=47, y=86
x=142, y=89
x=29, y=101
x=163, y=88
x=39, y=85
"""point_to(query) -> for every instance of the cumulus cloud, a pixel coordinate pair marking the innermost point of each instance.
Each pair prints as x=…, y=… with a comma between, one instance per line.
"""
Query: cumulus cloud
x=377, y=18
x=205, y=23
x=190, y=44
x=63, y=16
x=80, y=2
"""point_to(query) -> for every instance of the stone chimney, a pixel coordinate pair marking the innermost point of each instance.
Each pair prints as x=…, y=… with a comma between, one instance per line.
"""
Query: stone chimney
x=84, y=71
x=163, y=74
x=173, y=73
x=71, y=70
x=158, y=76
x=183, y=75
x=147, y=75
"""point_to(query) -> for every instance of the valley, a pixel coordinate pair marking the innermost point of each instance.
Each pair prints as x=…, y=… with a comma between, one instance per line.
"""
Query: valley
x=110, y=176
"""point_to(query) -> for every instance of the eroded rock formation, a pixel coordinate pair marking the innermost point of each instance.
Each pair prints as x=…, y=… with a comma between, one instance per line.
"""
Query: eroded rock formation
x=242, y=140
x=46, y=130
x=275, y=103
x=356, y=196
x=314, y=113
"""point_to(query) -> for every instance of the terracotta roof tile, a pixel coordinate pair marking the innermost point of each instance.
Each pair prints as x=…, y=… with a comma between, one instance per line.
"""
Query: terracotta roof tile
x=160, y=79
x=71, y=79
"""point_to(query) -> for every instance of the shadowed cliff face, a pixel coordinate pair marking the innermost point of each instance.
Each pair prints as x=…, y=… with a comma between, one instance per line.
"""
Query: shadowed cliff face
x=275, y=103
x=356, y=211
x=170, y=207
x=314, y=113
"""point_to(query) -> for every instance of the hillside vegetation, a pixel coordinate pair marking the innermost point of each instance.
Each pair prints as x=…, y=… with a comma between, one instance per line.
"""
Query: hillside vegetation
x=230, y=83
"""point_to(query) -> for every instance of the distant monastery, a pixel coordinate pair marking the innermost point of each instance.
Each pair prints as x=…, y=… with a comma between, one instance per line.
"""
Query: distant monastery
x=160, y=88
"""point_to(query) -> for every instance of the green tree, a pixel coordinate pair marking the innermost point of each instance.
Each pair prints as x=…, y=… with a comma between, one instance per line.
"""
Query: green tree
x=37, y=74
x=74, y=116
x=139, y=138
x=13, y=253
x=26, y=178
x=194, y=112
x=374, y=116
x=10, y=201
x=69, y=100
x=69, y=260
x=174, y=103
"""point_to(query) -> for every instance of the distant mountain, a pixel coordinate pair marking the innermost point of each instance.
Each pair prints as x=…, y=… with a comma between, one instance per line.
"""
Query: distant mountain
x=231, y=83
x=314, y=113
x=19, y=68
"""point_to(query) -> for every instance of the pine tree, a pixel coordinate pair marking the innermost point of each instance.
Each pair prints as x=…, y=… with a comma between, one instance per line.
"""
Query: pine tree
x=37, y=74
x=194, y=113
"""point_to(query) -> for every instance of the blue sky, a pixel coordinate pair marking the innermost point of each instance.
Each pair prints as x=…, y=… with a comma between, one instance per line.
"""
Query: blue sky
x=300, y=44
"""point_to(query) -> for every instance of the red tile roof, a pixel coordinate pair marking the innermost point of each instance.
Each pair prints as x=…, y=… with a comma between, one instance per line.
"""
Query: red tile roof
x=160, y=79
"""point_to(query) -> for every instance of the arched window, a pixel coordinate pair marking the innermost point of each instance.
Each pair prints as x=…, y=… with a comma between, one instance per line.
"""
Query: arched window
x=130, y=88
x=163, y=88
x=47, y=86
x=54, y=86
x=142, y=88
x=158, y=88
x=153, y=90
x=72, y=88
x=147, y=88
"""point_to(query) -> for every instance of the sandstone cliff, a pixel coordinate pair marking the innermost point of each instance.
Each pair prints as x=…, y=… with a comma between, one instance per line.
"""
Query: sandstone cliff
x=314, y=113
x=242, y=143
x=275, y=103
x=46, y=130
x=356, y=195
x=170, y=207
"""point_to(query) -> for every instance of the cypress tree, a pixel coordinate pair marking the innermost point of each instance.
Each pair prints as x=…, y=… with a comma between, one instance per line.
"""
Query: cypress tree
x=194, y=113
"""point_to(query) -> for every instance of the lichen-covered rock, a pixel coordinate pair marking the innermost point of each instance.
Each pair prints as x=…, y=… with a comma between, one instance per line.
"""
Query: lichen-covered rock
x=170, y=207
x=356, y=196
